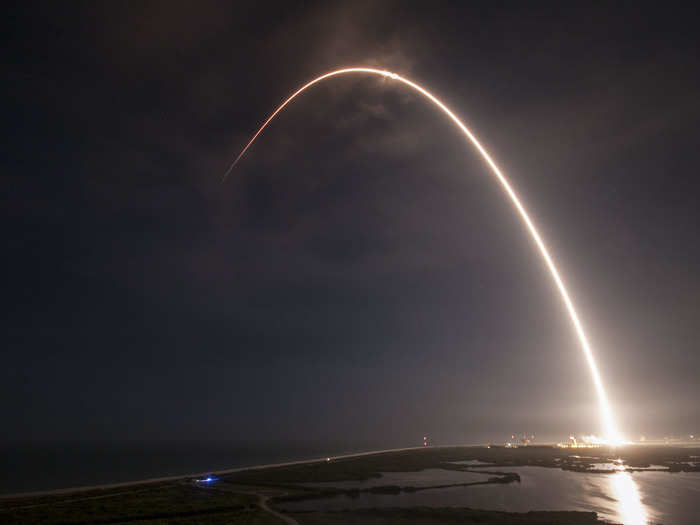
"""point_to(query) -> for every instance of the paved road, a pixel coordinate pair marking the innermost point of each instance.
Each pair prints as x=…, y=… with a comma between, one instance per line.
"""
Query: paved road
x=262, y=501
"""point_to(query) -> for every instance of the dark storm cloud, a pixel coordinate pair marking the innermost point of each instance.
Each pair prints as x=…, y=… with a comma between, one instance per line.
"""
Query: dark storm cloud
x=358, y=250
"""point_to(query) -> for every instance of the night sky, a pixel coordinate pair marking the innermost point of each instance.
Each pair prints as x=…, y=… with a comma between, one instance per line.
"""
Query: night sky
x=360, y=278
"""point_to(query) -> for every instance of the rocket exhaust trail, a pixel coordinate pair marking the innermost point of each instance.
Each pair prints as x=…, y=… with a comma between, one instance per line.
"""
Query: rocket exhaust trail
x=609, y=427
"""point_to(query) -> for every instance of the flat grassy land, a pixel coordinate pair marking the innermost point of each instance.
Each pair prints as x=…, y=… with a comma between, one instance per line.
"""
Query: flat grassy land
x=445, y=516
x=179, y=503
x=243, y=497
x=366, y=467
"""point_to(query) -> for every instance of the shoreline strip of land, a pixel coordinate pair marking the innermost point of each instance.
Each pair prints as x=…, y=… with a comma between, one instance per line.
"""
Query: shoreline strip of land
x=165, y=479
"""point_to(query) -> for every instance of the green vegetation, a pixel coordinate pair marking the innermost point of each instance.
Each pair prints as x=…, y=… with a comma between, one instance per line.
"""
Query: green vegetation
x=367, y=467
x=167, y=503
x=360, y=468
x=430, y=516
x=258, y=517
x=239, y=498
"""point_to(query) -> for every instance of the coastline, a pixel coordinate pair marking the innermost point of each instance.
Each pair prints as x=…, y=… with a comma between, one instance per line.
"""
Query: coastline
x=377, y=486
x=164, y=479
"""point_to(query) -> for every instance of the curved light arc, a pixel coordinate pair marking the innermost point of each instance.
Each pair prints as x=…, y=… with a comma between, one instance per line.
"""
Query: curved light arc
x=610, y=431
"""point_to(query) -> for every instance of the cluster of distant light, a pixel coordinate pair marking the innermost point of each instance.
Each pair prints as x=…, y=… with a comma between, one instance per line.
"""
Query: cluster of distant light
x=670, y=438
x=612, y=436
x=589, y=441
x=523, y=439
x=593, y=439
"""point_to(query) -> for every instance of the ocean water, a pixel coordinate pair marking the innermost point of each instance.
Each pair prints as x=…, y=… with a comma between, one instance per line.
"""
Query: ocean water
x=39, y=467
x=638, y=498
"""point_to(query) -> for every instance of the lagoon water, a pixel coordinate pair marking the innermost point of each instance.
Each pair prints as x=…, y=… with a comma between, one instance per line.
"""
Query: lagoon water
x=621, y=497
x=424, y=478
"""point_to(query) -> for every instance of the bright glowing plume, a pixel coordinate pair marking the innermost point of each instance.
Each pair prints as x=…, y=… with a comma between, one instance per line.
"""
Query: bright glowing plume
x=610, y=431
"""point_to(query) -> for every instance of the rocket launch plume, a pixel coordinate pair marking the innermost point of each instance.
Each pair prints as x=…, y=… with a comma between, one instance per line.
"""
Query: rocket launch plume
x=609, y=427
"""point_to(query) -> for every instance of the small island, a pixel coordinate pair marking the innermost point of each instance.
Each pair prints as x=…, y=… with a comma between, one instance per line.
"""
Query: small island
x=264, y=495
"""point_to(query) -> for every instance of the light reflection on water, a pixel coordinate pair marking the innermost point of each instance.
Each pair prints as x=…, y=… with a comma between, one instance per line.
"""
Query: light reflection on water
x=630, y=506
x=620, y=467
x=621, y=497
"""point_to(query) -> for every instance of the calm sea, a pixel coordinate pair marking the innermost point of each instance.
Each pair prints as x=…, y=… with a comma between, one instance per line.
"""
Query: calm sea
x=37, y=467
x=638, y=498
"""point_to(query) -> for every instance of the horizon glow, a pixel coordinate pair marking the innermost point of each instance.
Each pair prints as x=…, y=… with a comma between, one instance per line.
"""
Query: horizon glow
x=609, y=427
